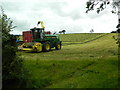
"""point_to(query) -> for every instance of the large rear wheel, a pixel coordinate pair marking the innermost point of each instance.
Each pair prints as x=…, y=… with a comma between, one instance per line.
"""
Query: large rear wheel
x=58, y=46
x=46, y=46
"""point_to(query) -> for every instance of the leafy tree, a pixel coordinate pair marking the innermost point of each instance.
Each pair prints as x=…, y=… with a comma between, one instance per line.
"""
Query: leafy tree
x=100, y=5
x=60, y=32
x=12, y=67
x=63, y=31
x=91, y=31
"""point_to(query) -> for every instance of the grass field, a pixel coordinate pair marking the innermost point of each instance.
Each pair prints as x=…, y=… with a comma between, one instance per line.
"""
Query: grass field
x=79, y=37
x=80, y=64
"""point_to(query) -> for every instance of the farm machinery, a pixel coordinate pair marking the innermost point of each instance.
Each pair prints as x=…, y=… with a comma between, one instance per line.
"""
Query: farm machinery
x=38, y=40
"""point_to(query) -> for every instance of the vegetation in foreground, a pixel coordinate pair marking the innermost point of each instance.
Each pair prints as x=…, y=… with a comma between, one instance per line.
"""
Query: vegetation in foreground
x=13, y=73
x=88, y=65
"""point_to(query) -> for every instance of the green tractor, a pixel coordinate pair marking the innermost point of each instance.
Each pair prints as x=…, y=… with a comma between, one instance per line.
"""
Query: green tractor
x=38, y=41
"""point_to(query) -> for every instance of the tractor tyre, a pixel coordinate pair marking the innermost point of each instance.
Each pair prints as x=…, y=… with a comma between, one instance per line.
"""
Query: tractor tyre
x=58, y=46
x=38, y=47
x=46, y=47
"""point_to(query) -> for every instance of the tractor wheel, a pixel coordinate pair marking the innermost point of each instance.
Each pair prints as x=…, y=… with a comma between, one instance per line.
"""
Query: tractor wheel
x=58, y=46
x=37, y=47
x=46, y=46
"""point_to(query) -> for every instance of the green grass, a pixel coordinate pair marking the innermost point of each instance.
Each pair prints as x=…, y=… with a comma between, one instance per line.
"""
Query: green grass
x=78, y=37
x=73, y=74
x=88, y=65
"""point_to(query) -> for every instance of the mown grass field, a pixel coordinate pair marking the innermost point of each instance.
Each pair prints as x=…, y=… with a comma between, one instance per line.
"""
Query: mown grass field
x=80, y=64
x=79, y=37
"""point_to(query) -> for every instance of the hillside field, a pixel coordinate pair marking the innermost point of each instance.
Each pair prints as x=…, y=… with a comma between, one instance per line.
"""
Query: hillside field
x=85, y=61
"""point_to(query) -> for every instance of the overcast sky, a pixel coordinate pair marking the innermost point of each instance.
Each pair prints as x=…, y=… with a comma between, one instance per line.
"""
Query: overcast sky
x=58, y=15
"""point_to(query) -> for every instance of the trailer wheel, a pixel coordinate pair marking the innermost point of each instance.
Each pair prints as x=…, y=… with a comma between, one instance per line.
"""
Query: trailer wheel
x=46, y=46
x=58, y=46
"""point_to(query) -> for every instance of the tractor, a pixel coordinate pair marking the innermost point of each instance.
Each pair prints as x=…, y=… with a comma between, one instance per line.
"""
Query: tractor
x=37, y=40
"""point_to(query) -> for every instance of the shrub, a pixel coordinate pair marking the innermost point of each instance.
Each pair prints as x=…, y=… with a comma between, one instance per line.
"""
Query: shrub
x=13, y=73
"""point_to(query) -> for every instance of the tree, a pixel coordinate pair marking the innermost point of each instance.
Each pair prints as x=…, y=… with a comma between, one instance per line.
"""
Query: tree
x=12, y=67
x=63, y=31
x=91, y=31
x=102, y=4
x=60, y=32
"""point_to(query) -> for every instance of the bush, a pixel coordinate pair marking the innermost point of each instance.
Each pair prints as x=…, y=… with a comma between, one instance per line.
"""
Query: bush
x=13, y=73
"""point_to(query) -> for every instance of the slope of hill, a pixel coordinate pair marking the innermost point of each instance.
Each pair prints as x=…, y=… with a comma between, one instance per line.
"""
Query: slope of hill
x=80, y=38
x=88, y=65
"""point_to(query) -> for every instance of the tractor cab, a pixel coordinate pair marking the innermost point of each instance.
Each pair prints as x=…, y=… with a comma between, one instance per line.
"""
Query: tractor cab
x=38, y=33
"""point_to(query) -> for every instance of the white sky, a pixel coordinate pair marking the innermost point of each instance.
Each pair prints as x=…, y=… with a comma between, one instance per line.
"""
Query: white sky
x=58, y=15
